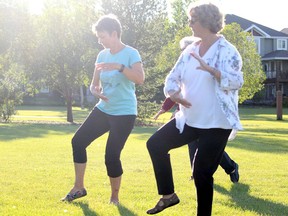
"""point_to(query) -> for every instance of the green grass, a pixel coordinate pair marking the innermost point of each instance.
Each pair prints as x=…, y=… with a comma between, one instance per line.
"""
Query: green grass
x=48, y=114
x=36, y=169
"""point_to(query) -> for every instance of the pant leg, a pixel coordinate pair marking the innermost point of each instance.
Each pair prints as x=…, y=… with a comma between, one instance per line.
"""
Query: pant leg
x=158, y=145
x=120, y=129
x=227, y=163
x=211, y=146
x=95, y=125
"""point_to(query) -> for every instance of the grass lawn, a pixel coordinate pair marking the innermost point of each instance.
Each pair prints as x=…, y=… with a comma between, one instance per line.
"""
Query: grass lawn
x=37, y=169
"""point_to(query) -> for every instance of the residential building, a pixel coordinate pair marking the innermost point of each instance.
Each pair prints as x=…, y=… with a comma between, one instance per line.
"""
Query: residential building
x=272, y=46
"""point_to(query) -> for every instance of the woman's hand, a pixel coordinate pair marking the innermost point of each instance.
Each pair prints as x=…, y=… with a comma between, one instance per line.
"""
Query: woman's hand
x=158, y=114
x=177, y=98
x=107, y=66
x=97, y=92
x=205, y=67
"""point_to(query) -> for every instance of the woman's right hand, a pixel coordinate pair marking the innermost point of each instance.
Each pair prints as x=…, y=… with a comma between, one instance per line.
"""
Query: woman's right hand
x=97, y=92
x=177, y=98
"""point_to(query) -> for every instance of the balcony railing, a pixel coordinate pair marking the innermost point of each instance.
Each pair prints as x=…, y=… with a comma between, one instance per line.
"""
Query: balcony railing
x=270, y=74
x=279, y=74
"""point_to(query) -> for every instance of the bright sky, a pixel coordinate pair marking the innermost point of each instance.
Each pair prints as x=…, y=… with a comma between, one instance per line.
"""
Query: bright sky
x=35, y=6
x=273, y=14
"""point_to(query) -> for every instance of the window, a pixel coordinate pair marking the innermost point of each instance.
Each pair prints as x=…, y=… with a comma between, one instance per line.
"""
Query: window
x=44, y=89
x=257, y=42
x=281, y=44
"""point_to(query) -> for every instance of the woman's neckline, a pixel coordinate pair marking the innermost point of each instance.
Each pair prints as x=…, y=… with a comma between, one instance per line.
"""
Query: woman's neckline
x=118, y=49
x=206, y=45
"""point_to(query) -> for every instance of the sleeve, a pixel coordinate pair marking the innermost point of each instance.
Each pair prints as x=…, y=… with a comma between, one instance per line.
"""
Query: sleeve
x=134, y=57
x=99, y=57
x=173, y=79
x=231, y=74
x=167, y=104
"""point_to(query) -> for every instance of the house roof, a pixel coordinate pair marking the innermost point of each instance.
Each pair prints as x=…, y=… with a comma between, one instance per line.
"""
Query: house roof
x=278, y=54
x=285, y=30
x=247, y=24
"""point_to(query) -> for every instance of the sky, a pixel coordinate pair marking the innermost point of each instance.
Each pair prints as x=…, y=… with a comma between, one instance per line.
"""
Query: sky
x=273, y=14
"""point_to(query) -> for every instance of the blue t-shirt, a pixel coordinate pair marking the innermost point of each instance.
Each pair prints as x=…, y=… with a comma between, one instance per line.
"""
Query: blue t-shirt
x=116, y=87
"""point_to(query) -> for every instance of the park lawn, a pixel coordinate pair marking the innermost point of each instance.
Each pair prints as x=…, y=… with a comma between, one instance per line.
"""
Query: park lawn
x=37, y=170
x=48, y=114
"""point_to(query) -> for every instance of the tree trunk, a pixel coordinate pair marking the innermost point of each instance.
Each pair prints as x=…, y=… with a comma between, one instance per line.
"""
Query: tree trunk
x=69, y=109
x=81, y=97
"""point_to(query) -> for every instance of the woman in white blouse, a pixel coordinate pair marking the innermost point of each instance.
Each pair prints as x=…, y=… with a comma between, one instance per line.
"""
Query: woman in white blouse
x=205, y=82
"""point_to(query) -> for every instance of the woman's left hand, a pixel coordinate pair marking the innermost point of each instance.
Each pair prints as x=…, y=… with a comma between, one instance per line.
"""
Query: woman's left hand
x=205, y=67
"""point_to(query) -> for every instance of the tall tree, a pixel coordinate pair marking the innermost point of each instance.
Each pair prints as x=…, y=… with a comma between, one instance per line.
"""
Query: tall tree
x=253, y=73
x=66, y=46
x=175, y=29
x=179, y=14
x=12, y=81
x=16, y=42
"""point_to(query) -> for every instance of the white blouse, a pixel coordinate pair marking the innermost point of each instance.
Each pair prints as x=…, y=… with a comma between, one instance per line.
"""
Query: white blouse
x=214, y=103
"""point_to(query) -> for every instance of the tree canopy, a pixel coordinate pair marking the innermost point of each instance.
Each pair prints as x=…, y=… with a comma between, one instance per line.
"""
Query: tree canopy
x=253, y=73
x=57, y=48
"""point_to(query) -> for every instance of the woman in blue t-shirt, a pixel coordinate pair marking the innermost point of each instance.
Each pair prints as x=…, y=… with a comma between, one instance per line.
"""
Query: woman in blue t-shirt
x=118, y=68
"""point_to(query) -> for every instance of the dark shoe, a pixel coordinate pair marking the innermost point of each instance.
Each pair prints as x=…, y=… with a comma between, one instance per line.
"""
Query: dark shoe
x=234, y=175
x=163, y=204
x=70, y=197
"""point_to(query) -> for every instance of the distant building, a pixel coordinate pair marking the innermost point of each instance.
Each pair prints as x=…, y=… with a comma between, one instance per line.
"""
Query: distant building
x=285, y=30
x=272, y=46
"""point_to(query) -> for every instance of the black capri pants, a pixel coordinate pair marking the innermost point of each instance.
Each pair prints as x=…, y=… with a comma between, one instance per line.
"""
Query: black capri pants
x=96, y=124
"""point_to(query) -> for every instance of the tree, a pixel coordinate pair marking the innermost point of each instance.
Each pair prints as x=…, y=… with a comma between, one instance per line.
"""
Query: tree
x=12, y=81
x=179, y=14
x=15, y=26
x=253, y=73
x=175, y=29
x=65, y=46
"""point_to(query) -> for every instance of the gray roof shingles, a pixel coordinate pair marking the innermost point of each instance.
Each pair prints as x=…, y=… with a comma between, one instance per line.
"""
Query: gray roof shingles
x=245, y=24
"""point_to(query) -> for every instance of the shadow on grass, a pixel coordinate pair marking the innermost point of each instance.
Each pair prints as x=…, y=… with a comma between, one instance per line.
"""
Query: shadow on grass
x=239, y=193
x=89, y=212
x=13, y=131
x=265, y=142
x=86, y=209
x=125, y=211
x=271, y=144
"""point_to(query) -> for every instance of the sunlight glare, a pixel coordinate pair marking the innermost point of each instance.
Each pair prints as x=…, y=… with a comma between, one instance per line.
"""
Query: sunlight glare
x=35, y=6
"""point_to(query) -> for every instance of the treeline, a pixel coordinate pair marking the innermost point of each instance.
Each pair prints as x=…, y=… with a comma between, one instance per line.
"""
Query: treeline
x=56, y=48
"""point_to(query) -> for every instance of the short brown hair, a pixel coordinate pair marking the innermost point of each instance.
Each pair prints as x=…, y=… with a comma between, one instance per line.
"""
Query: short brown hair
x=208, y=15
x=108, y=23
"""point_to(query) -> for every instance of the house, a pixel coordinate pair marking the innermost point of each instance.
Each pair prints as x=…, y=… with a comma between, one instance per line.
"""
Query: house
x=285, y=30
x=272, y=46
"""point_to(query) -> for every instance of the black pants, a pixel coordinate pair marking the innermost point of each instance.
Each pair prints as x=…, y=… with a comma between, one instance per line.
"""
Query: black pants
x=226, y=162
x=96, y=124
x=212, y=143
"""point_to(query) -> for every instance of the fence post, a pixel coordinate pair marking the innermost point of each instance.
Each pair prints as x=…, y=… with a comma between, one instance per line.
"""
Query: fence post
x=279, y=104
